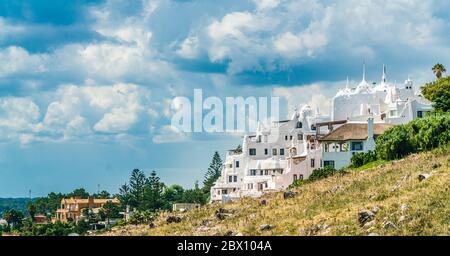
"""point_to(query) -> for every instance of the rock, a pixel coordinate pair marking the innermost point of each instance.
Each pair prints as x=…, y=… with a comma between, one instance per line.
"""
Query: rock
x=388, y=225
x=263, y=202
x=265, y=227
x=223, y=210
x=424, y=176
x=206, y=222
x=230, y=233
x=289, y=194
x=436, y=165
x=373, y=234
x=335, y=189
x=222, y=216
x=375, y=209
x=175, y=219
x=365, y=216
x=151, y=225
x=404, y=208
x=369, y=224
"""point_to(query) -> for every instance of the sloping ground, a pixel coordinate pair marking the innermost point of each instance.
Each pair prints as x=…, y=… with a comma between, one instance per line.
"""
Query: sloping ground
x=401, y=204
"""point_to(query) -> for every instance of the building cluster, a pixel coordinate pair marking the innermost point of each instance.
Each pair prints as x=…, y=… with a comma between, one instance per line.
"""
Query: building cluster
x=279, y=153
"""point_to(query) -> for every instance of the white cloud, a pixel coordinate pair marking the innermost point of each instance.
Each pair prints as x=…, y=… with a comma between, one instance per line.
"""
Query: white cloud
x=316, y=95
x=170, y=134
x=17, y=60
x=189, y=48
x=266, y=4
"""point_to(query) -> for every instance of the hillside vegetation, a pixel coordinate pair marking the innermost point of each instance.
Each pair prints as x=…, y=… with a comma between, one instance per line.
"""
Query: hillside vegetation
x=386, y=199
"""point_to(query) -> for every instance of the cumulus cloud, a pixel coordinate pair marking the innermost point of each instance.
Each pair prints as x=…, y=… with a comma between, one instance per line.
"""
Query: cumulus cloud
x=316, y=95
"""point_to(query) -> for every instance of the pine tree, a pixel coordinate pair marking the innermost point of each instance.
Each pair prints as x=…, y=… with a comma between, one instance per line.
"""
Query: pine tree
x=213, y=173
x=137, y=185
x=153, y=195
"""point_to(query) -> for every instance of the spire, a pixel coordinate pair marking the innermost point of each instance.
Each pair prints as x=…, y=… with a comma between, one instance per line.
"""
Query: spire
x=364, y=71
x=383, y=78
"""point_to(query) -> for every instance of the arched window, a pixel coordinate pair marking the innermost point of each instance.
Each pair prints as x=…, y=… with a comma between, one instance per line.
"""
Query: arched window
x=299, y=125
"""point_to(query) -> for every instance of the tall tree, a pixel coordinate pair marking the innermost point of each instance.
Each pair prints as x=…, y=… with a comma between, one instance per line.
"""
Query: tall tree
x=137, y=186
x=125, y=196
x=31, y=210
x=213, y=173
x=195, y=195
x=438, y=70
x=79, y=192
x=153, y=196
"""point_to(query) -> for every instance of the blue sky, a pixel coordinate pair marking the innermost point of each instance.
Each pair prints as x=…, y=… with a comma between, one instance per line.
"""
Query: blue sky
x=86, y=85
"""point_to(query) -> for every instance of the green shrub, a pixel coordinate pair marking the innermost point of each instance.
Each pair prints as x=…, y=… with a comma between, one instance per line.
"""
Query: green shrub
x=142, y=217
x=419, y=135
x=322, y=173
x=360, y=159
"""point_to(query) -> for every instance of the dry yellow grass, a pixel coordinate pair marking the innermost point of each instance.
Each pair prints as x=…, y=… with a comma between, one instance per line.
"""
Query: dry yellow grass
x=331, y=206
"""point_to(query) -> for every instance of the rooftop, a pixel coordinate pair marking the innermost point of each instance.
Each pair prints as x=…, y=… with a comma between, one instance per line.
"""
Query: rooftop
x=354, y=131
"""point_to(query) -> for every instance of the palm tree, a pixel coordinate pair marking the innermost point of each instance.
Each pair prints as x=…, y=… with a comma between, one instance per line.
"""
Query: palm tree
x=438, y=69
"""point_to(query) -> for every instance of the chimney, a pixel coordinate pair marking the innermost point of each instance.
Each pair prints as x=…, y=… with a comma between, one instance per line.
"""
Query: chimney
x=370, y=135
x=370, y=128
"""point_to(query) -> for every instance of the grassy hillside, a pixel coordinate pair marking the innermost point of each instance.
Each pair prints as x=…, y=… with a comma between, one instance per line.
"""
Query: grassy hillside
x=402, y=205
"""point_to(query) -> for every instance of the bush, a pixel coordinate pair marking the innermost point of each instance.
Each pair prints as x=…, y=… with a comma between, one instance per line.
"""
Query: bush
x=322, y=173
x=419, y=135
x=360, y=159
x=142, y=217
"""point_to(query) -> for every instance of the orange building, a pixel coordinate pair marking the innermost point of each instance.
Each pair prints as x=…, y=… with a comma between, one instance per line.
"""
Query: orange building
x=72, y=208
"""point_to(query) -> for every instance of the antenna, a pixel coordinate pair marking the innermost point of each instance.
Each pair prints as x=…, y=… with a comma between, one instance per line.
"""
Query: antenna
x=98, y=188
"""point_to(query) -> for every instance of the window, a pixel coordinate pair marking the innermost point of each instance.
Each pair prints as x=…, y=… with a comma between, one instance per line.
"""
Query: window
x=313, y=128
x=250, y=185
x=393, y=113
x=300, y=136
x=274, y=152
x=301, y=177
x=253, y=172
x=261, y=172
x=266, y=172
x=224, y=191
x=266, y=151
x=230, y=178
x=328, y=164
x=235, y=178
x=259, y=138
x=286, y=137
x=295, y=177
x=237, y=164
x=252, y=151
x=357, y=146
x=290, y=137
x=281, y=151
x=313, y=162
x=266, y=185
x=299, y=125
x=420, y=114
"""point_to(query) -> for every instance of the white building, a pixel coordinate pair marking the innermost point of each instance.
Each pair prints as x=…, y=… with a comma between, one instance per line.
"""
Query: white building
x=339, y=145
x=275, y=156
x=386, y=102
x=272, y=158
